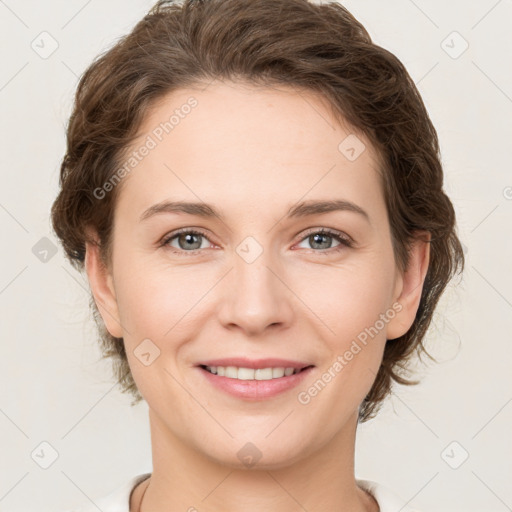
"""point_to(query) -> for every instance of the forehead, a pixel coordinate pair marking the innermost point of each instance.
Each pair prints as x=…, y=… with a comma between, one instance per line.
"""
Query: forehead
x=250, y=145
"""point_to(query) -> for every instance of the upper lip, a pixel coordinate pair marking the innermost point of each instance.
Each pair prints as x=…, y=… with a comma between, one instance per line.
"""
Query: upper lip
x=243, y=362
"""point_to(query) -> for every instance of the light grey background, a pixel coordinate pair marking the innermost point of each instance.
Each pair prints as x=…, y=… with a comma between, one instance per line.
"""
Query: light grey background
x=54, y=388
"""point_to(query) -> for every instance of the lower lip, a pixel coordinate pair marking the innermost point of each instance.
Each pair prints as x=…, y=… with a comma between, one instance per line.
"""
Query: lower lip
x=256, y=389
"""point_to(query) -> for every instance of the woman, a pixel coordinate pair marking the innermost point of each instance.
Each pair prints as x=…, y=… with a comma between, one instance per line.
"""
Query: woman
x=298, y=161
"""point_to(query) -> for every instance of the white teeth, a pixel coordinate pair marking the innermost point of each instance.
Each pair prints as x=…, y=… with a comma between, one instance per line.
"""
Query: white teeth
x=231, y=372
x=234, y=372
x=262, y=373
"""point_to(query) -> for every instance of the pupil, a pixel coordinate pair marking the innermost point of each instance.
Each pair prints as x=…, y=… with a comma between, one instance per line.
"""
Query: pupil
x=317, y=237
x=189, y=238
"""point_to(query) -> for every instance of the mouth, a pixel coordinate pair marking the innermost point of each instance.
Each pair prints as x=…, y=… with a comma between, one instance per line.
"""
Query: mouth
x=241, y=373
x=254, y=383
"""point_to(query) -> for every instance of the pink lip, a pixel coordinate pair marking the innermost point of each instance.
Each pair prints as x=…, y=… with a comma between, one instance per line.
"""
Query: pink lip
x=242, y=362
x=256, y=389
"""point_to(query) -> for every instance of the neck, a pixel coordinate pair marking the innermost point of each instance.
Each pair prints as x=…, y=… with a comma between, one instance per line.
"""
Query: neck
x=184, y=479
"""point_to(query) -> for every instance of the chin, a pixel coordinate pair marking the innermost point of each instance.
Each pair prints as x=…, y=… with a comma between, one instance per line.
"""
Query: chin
x=264, y=454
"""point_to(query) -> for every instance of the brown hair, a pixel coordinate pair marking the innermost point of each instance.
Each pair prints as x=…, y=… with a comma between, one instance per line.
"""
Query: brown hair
x=317, y=47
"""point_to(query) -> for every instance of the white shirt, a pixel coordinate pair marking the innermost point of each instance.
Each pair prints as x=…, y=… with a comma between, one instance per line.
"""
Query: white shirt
x=119, y=499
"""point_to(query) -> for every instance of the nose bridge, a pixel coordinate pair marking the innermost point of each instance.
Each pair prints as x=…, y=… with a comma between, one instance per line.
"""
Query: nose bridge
x=257, y=297
x=255, y=284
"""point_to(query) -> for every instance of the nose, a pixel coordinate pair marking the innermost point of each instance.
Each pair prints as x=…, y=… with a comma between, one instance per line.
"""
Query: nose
x=256, y=295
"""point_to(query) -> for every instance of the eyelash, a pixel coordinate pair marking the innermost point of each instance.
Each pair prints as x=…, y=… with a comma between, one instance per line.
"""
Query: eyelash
x=345, y=241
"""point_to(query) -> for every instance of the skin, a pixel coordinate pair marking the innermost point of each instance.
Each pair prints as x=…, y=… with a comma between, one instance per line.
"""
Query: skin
x=252, y=152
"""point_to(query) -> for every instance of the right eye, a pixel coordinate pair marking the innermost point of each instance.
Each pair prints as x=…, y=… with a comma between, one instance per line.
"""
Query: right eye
x=186, y=239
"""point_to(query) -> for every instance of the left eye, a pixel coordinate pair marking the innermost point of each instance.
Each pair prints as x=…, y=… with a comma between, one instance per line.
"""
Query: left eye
x=317, y=238
x=191, y=239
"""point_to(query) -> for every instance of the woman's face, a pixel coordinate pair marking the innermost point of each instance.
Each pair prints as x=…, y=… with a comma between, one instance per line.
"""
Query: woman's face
x=256, y=282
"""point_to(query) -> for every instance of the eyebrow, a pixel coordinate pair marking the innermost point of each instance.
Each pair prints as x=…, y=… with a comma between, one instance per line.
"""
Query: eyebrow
x=303, y=209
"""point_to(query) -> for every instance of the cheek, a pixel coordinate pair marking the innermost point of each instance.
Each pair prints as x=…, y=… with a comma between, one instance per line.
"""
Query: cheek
x=351, y=308
x=349, y=298
x=153, y=297
x=153, y=303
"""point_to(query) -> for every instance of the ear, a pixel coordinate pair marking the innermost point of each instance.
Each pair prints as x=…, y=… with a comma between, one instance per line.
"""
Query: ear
x=409, y=286
x=102, y=286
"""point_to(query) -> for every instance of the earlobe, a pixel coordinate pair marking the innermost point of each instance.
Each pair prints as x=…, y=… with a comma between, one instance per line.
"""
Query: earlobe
x=410, y=286
x=102, y=288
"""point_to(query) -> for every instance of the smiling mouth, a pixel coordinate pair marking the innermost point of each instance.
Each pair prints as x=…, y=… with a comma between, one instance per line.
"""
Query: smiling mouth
x=240, y=373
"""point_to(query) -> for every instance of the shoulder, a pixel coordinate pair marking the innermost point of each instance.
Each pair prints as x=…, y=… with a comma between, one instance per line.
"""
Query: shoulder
x=388, y=500
x=117, y=501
